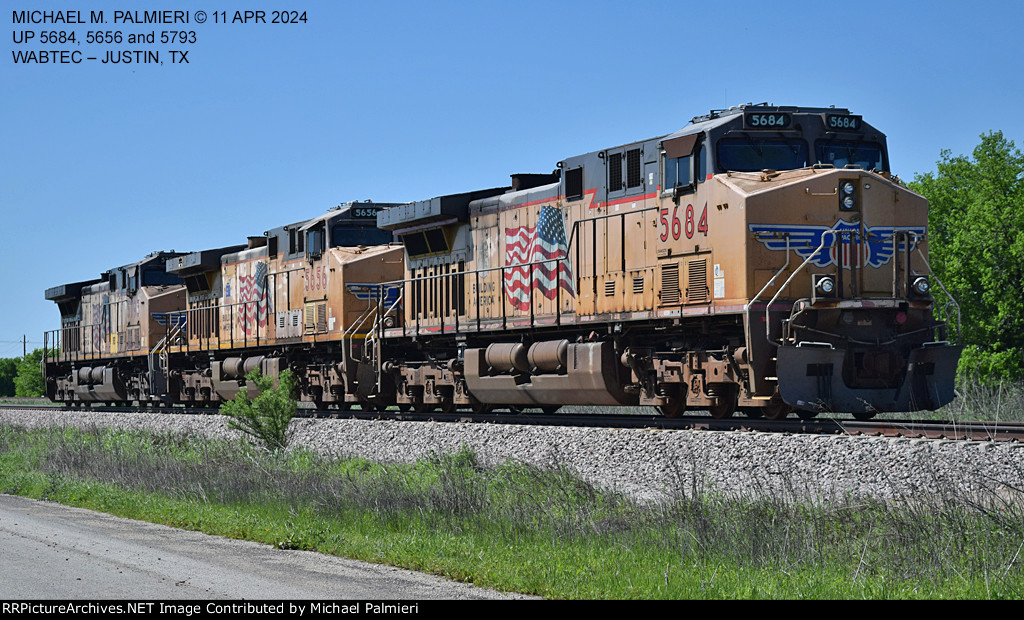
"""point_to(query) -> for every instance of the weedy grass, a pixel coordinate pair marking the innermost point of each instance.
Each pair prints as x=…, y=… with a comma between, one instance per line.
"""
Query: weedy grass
x=525, y=529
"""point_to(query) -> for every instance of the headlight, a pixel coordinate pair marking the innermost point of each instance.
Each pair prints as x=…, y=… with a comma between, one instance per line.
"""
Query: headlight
x=826, y=286
x=921, y=286
x=848, y=195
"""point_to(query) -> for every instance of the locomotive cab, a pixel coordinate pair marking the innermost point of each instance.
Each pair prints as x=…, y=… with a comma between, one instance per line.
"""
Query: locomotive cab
x=836, y=260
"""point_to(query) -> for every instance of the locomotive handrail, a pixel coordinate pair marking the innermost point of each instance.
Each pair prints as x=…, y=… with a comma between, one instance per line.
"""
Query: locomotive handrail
x=605, y=216
x=477, y=273
x=350, y=332
x=767, y=309
x=801, y=306
x=950, y=298
x=906, y=230
x=913, y=243
x=87, y=347
x=747, y=307
x=480, y=273
x=377, y=331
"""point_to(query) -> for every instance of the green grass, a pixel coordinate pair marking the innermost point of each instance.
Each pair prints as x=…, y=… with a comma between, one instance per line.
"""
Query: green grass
x=519, y=528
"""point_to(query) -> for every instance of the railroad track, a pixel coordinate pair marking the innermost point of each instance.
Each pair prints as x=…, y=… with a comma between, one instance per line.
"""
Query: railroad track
x=960, y=430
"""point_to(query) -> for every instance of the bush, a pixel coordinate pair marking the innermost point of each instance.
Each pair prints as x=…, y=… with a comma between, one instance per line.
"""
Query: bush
x=266, y=417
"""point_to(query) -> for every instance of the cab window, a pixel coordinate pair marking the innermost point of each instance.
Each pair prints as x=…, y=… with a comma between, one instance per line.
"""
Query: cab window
x=751, y=155
x=351, y=236
x=684, y=162
x=678, y=171
x=841, y=153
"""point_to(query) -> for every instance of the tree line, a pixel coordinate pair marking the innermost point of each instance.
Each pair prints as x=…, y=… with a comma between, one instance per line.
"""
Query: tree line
x=22, y=376
x=976, y=246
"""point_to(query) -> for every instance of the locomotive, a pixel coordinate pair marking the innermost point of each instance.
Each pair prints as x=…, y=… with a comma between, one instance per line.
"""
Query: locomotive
x=762, y=259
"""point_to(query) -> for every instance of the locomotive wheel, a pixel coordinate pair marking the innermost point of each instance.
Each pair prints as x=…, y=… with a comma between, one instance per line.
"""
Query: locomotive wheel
x=675, y=408
x=404, y=407
x=374, y=403
x=481, y=408
x=805, y=415
x=863, y=416
x=724, y=407
x=550, y=409
x=447, y=405
x=754, y=413
x=777, y=408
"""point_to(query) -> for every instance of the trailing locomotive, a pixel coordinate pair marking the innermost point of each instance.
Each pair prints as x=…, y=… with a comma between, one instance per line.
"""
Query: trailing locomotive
x=761, y=259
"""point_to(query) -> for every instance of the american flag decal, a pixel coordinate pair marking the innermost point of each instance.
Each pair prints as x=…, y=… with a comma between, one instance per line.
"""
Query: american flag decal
x=252, y=295
x=529, y=244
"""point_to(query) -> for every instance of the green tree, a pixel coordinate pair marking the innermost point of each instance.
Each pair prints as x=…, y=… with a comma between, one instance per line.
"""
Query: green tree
x=266, y=417
x=976, y=226
x=29, y=381
x=8, y=371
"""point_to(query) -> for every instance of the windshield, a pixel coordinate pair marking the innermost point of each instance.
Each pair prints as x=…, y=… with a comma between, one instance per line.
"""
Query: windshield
x=347, y=236
x=749, y=155
x=867, y=155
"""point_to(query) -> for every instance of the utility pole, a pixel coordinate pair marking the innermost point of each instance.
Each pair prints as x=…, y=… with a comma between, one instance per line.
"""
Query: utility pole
x=24, y=346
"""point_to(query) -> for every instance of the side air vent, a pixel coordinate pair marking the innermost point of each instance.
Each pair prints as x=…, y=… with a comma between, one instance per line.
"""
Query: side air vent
x=574, y=184
x=614, y=172
x=633, y=178
x=316, y=317
x=670, y=283
x=697, y=285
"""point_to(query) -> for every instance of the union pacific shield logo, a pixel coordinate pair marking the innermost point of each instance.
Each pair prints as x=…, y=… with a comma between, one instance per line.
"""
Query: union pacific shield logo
x=845, y=244
x=372, y=292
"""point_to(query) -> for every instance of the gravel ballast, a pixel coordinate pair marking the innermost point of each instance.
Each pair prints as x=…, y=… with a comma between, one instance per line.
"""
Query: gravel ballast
x=648, y=465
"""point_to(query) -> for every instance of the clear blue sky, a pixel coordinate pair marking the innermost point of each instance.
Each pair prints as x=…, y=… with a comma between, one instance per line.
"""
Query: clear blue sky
x=396, y=101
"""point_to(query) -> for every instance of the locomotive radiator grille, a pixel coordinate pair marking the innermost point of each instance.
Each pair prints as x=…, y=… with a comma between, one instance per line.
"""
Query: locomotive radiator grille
x=697, y=285
x=670, y=292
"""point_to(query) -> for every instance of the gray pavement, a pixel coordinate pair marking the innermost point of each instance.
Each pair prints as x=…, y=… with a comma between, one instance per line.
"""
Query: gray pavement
x=50, y=551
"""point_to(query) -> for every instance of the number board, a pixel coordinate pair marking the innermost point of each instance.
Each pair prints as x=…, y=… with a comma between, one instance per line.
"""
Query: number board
x=363, y=212
x=842, y=122
x=766, y=120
